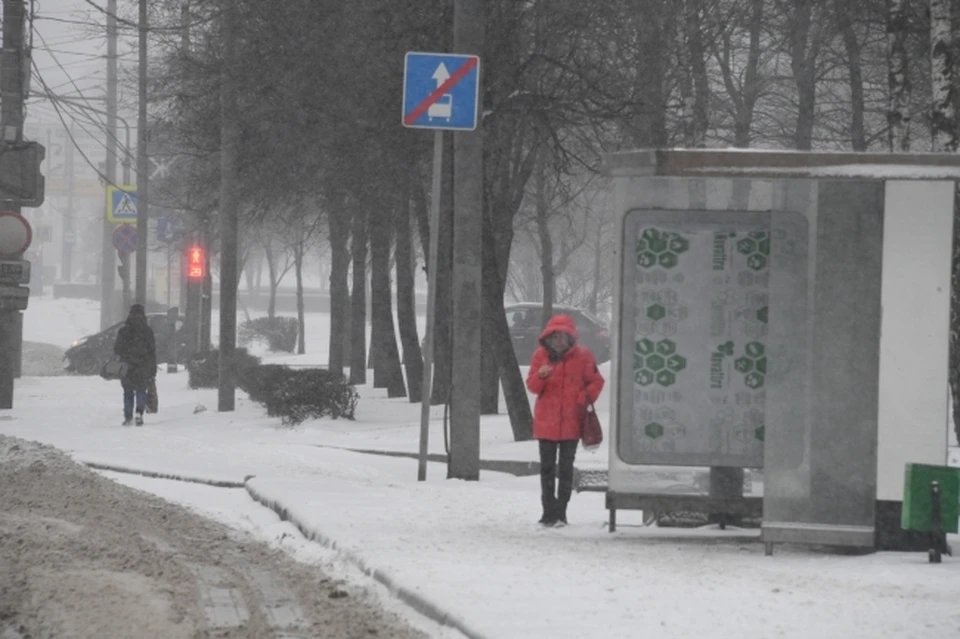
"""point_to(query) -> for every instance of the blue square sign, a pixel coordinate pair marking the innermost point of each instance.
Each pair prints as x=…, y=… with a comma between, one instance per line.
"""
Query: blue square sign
x=440, y=91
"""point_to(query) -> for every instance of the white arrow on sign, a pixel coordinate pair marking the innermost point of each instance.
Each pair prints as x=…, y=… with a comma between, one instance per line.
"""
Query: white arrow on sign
x=161, y=167
x=441, y=75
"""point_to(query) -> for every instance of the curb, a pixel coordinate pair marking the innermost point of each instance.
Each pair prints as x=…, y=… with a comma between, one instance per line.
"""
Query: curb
x=155, y=475
x=511, y=467
x=413, y=599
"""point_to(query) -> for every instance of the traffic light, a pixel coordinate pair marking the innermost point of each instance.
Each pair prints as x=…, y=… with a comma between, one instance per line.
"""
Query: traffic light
x=195, y=263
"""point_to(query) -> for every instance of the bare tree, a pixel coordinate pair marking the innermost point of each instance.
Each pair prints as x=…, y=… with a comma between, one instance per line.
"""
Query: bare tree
x=338, y=234
x=279, y=262
x=358, y=298
x=302, y=227
x=899, y=82
x=851, y=45
x=943, y=115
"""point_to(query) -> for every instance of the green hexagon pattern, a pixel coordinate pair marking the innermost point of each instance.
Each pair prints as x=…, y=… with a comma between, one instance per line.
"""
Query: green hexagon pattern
x=678, y=244
x=646, y=259
x=655, y=363
x=743, y=364
x=676, y=363
x=643, y=377
x=656, y=312
x=653, y=430
x=757, y=262
x=666, y=378
x=666, y=347
x=668, y=260
x=643, y=346
x=754, y=380
x=746, y=246
x=761, y=365
x=755, y=349
x=760, y=432
x=762, y=314
x=660, y=247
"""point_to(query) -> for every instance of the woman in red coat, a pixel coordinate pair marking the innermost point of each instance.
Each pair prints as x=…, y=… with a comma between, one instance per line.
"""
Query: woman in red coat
x=565, y=378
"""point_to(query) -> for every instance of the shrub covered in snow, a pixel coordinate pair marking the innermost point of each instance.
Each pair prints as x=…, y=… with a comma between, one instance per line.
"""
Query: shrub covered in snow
x=204, y=368
x=295, y=395
x=280, y=333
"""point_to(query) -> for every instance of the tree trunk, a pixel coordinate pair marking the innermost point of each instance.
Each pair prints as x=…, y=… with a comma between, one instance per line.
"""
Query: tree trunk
x=442, y=350
x=898, y=76
x=387, y=372
x=421, y=211
x=514, y=388
x=301, y=318
x=339, y=289
x=851, y=45
x=248, y=274
x=804, y=51
x=543, y=236
x=358, y=299
x=745, y=97
x=407, y=304
x=649, y=128
x=943, y=116
x=698, y=69
x=595, y=293
x=274, y=284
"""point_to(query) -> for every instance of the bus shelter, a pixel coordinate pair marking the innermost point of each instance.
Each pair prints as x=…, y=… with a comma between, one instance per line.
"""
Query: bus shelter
x=783, y=312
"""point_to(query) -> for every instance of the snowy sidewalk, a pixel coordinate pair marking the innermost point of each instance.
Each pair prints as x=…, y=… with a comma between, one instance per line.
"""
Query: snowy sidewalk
x=473, y=549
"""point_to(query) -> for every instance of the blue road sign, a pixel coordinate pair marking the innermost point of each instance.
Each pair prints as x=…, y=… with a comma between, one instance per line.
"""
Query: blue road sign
x=167, y=228
x=121, y=204
x=440, y=91
x=125, y=238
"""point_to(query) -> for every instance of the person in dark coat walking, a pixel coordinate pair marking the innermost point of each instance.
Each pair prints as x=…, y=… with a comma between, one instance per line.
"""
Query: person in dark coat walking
x=137, y=348
x=565, y=378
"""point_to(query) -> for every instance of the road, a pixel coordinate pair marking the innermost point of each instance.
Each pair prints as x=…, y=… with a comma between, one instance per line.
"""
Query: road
x=82, y=556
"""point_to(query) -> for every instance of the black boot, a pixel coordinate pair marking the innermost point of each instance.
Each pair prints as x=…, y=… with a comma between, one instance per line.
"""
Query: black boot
x=548, y=482
x=560, y=514
x=568, y=450
x=549, y=516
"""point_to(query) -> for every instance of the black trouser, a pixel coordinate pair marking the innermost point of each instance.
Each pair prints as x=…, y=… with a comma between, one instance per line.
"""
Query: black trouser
x=551, y=495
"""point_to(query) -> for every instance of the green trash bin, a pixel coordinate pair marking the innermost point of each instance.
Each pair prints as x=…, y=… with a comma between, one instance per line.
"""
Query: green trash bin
x=916, y=496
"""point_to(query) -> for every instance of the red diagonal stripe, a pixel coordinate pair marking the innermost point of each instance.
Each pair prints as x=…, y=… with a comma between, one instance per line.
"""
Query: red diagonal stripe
x=421, y=108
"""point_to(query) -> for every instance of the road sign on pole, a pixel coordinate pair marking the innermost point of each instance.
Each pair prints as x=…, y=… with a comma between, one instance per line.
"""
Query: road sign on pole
x=14, y=298
x=121, y=204
x=440, y=91
x=15, y=234
x=14, y=272
x=125, y=239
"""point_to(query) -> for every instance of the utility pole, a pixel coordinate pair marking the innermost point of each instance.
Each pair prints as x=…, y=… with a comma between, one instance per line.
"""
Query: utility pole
x=108, y=262
x=143, y=166
x=67, y=240
x=229, y=202
x=467, y=264
x=11, y=117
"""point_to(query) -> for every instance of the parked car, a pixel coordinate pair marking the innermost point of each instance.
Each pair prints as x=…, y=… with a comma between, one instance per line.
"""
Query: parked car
x=88, y=354
x=526, y=323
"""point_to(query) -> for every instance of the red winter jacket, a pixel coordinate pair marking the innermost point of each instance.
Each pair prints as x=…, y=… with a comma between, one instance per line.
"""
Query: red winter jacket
x=573, y=382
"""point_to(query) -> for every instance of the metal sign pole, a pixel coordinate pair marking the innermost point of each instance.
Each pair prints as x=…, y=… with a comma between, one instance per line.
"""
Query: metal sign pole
x=431, y=304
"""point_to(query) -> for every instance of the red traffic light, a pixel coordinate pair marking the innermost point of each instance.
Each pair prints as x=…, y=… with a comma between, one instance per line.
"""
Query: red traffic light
x=195, y=263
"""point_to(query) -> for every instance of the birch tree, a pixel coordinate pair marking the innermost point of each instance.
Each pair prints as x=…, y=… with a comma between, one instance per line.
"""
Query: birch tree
x=942, y=115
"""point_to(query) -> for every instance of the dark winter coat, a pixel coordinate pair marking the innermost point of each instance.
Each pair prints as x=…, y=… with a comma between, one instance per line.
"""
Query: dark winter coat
x=573, y=383
x=137, y=347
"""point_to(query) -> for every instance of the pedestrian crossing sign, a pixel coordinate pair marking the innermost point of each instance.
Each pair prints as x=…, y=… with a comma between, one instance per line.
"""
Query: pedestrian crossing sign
x=121, y=204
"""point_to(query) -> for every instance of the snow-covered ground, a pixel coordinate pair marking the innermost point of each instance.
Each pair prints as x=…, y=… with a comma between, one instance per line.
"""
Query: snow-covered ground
x=473, y=549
